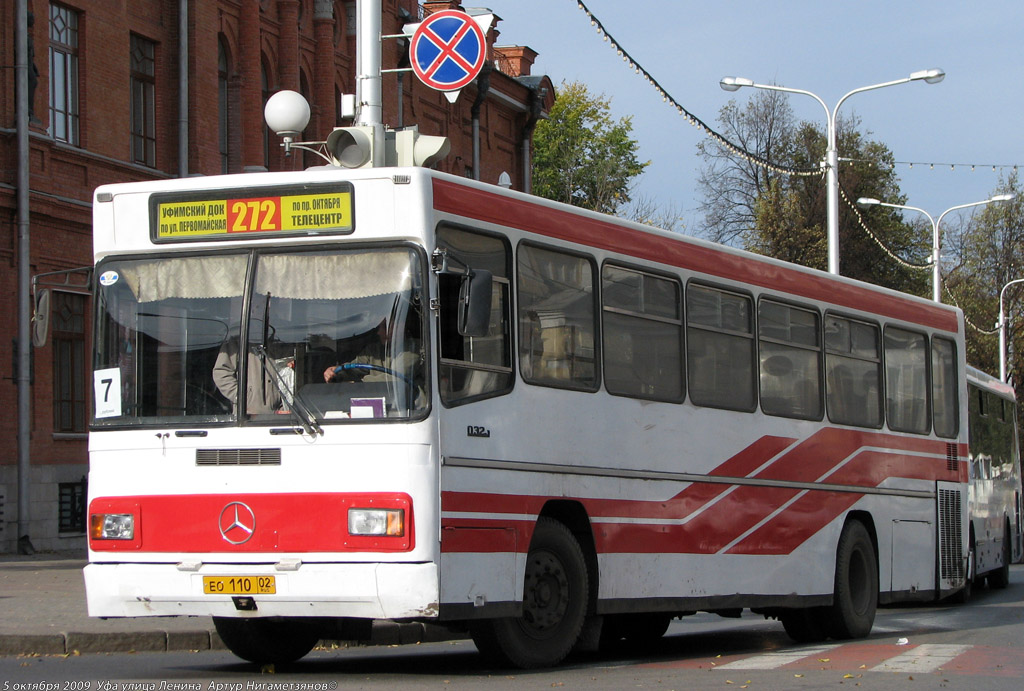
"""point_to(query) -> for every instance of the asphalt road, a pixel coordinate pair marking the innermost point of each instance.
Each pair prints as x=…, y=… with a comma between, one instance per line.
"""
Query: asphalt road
x=977, y=646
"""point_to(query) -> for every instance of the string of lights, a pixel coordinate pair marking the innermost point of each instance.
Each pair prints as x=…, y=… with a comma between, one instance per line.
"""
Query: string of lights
x=690, y=117
x=972, y=167
x=967, y=320
x=873, y=236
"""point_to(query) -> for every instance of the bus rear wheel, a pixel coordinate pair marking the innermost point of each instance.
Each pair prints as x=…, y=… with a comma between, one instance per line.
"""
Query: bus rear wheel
x=266, y=641
x=554, y=604
x=1000, y=578
x=855, y=597
x=808, y=625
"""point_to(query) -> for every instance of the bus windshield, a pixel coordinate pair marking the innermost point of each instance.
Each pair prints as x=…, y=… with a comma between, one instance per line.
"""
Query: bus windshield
x=260, y=337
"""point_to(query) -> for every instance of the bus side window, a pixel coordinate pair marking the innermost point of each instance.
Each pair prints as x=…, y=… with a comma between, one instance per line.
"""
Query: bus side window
x=643, y=334
x=557, y=317
x=720, y=348
x=906, y=380
x=944, y=388
x=789, y=342
x=474, y=367
x=853, y=372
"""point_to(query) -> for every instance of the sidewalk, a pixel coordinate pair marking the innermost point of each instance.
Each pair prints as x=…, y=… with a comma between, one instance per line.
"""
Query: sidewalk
x=43, y=611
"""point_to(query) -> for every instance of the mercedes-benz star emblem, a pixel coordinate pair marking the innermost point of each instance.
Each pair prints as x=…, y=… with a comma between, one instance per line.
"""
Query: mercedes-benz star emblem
x=237, y=523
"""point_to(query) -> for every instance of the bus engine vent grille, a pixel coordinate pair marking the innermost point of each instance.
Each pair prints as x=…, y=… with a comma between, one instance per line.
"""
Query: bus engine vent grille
x=238, y=456
x=952, y=458
x=950, y=547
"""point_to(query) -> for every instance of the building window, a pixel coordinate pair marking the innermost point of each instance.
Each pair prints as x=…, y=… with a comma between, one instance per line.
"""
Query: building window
x=223, y=106
x=64, y=74
x=143, y=86
x=71, y=506
x=69, y=375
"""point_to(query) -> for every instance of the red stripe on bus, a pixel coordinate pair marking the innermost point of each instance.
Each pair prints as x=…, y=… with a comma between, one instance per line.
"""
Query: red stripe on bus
x=450, y=197
x=722, y=513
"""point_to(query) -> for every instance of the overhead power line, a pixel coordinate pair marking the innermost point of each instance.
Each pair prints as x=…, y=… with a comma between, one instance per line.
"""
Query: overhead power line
x=690, y=117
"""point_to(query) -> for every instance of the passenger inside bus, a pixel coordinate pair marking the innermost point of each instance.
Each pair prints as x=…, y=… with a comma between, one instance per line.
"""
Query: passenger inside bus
x=262, y=395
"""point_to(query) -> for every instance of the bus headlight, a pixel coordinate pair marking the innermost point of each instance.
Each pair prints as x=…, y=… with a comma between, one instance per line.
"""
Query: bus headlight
x=112, y=526
x=386, y=522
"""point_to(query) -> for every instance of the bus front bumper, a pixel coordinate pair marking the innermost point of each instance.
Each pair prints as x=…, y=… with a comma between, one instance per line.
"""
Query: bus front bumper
x=369, y=591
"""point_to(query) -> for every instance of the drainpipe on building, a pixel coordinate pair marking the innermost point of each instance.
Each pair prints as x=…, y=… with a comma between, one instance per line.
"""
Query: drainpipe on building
x=483, y=85
x=24, y=285
x=183, y=88
x=536, y=105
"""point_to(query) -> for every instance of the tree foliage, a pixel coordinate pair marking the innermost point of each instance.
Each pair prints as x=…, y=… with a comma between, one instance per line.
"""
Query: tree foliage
x=582, y=156
x=983, y=255
x=784, y=216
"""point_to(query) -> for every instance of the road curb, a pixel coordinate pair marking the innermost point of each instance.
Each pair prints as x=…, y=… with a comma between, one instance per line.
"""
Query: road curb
x=382, y=633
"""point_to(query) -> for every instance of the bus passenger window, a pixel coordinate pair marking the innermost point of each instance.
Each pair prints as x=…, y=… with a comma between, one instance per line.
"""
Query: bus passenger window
x=557, y=319
x=906, y=380
x=789, y=343
x=853, y=372
x=720, y=348
x=643, y=337
x=944, y=388
x=474, y=367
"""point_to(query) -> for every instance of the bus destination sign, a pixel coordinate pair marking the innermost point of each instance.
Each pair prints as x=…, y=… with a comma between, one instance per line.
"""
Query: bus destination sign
x=220, y=216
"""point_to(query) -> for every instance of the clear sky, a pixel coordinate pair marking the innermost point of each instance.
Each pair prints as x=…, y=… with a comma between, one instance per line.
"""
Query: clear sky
x=828, y=47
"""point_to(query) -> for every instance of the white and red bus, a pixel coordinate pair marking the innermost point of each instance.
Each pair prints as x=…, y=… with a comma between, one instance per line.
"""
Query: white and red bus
x=994, y=498
x=327, y=397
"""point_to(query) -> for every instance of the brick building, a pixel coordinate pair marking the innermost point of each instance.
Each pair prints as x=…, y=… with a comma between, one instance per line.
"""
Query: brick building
x=106, y=105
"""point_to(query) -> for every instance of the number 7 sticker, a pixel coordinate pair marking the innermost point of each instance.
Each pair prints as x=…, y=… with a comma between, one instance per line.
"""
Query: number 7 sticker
x=106, y=386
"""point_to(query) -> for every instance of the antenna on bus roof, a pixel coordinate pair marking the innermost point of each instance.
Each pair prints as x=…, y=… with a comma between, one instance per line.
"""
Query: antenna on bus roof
x=366, y=144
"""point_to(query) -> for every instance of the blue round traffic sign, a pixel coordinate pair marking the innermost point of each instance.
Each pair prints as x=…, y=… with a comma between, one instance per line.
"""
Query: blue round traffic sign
x=447, y=50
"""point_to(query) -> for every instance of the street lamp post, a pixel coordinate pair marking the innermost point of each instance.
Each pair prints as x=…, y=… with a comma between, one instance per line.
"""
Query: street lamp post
x=1002, y=330
x=936, y=235
x=932, y=76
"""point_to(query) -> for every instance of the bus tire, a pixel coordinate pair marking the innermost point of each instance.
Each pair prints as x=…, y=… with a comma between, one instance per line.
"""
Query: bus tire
x=266, y=641
x=554, y=604
x=808, y=625
x=1000, y=578
x=855, y=597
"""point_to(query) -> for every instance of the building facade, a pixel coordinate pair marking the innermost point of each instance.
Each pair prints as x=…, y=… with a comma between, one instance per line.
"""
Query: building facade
x=122, y=90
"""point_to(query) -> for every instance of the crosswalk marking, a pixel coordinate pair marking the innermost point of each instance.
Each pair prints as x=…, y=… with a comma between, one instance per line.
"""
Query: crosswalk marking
x=927, y=657
x=774, y=660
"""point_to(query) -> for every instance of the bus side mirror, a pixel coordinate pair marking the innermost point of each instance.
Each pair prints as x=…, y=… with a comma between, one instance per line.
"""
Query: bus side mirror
x=475, y=303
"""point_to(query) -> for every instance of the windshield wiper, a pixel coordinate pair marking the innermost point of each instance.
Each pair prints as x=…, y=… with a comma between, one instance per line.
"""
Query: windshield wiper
x=296, y=406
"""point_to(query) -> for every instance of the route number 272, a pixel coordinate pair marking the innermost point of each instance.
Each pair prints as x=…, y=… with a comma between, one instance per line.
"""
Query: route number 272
x=254, y=215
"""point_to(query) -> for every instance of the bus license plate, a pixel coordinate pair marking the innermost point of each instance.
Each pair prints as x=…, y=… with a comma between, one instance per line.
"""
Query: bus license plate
x=239, y=585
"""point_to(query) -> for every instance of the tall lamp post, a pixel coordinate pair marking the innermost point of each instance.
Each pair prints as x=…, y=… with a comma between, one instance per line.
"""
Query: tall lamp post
x=932, y=76
x=1002, y=330
x=936, y=235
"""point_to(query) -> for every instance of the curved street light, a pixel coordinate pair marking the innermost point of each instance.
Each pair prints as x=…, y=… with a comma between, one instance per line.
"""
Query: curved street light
x=831, y=163
x=1002, y=330
x=936, y=235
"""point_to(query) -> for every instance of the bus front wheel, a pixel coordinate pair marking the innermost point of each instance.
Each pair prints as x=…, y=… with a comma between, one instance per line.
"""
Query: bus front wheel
x=554, y=604
x=266, y=641
x=855, y=597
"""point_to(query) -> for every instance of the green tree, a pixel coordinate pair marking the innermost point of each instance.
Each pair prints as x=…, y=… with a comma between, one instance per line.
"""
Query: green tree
x=984, y=254
x=784, y=215
x=582, y=156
